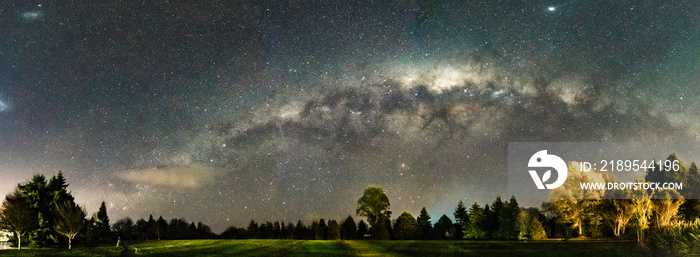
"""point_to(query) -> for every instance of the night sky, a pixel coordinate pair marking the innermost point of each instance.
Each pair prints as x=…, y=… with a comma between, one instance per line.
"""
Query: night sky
x=227, y=111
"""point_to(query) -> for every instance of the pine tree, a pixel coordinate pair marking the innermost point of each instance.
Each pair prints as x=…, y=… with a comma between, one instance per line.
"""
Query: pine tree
x=424, y=223
x=476, y=229
x=348, y=230
x=461, y=219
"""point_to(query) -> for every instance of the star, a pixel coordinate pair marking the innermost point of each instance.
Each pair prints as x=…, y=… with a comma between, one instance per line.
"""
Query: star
x=551, y=8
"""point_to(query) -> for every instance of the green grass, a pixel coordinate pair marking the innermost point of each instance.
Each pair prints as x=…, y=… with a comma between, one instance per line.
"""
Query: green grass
x=191, y=248
x=76, y=251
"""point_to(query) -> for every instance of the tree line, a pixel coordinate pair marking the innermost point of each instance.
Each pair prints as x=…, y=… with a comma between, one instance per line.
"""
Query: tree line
x=45, y=214
x=152, y=229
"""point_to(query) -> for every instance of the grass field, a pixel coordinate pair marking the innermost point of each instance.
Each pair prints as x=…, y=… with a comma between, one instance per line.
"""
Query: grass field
x=76, y=251
x=192, y=248
x=384, y=248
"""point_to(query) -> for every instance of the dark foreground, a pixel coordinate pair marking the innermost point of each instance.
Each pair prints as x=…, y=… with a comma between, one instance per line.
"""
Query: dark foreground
x=191, y=248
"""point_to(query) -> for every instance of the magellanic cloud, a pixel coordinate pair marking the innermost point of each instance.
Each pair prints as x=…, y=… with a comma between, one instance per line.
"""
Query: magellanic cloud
x=183, y=177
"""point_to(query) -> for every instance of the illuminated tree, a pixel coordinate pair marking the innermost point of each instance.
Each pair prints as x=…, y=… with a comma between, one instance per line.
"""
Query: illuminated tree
x=641, y=211
x=666, y=207
x=476, y=229
x=374, y=204
x=17, y=216
x=617, y=209
x=529, y=225
x=70, y=219
x=573, y=203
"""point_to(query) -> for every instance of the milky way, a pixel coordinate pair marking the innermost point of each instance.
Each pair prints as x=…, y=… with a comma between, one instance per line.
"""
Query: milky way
x=288, y=110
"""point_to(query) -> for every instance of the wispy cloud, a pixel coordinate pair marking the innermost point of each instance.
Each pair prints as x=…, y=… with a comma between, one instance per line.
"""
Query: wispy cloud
x=185, y=176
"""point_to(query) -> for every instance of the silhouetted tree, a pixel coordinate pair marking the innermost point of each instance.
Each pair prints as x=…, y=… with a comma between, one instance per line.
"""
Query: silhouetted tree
x=276, y=230
x=333, y=230
x=461, y=219
x=321, y=230
x=508, y=220
x=443, y=228
x=124, y=229
x=233, y=233
x=161, y=228
x=424, y=223
x=253, y=230
x=152, y=228
x=362, y=229
x=98, y=227
x=300, y=231
x=142, y=229
x=349, y=229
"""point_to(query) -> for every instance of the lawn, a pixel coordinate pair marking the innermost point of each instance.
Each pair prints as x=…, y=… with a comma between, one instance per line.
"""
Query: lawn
x=191, y=248
x=76, y=251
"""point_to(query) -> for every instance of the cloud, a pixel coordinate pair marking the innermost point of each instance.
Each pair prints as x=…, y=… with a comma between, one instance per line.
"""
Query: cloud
x=182, y=177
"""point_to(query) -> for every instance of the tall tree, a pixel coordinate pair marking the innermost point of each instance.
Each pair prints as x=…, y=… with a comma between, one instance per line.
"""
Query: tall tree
x=348, y=230
x=641, y=211
x=321, y=230
x=253, y=231
x=161, y=227
x=374, y=204
x=300, y=231
x=17, y=215
x=616, y=208
x=424, y=223
x=575, y=204
x=98, y=227
x=476, y=229
x=461, y=219
x=407, y=227
x=666, y=207
x=492, y=217
x=508, y=219
x=529, y=226
x=690, y=209
x=333, y=230
x=70, y=219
